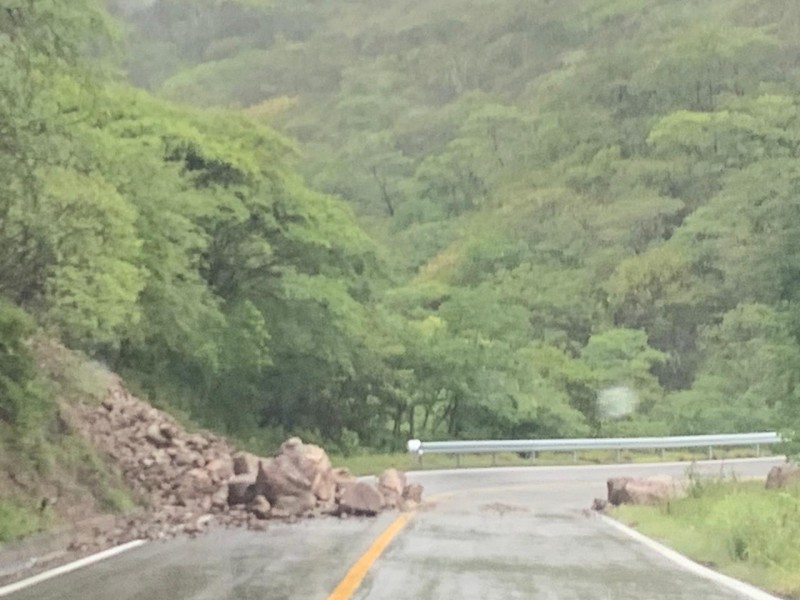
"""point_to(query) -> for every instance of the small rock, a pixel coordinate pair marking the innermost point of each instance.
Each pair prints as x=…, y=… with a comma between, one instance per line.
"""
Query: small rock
x=408, y=505
x=413, y=492
x=219, y=500
x=154, y=436
x=168, y=431
x=220, y=469
x=260, y=507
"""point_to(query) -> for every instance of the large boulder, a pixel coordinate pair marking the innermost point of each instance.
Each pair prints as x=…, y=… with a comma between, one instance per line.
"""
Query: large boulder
x=241, y=490
x=391, y=484
x=782, y=475
x=360, y=498
x=616, y=486
x=314, y=464
x=647, y=491
x=294, y=506
x=342, y=477
x=297, y=469
x=279, y=476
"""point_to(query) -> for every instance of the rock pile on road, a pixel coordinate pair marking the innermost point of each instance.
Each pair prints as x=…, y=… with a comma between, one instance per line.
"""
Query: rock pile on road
x=187, y=481
x=300, y=481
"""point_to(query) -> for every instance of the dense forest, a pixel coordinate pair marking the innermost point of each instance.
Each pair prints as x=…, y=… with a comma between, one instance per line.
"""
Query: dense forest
x=363, y=220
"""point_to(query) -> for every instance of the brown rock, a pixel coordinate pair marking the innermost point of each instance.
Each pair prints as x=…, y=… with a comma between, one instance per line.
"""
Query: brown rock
x=599, y=505
x=361, y=499
x=168, y=430
x=219, y=499
x=342, y=475
x=391, y=484
x=615, y=486
x=260, y=507
x=313, y=463
x=245, y=463
x=413, y=492
x=199, y=475
x=646, y=491
x=342, y=478
x=241, y=490
x=219, y=469
x=196, y=441
x=279, y=476
x=154, y=436
x=782, y=475
x=294, y=506
x=324, y=487
x=407, y=505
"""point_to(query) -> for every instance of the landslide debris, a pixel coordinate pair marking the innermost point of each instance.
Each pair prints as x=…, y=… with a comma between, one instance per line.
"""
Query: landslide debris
x=187, y=481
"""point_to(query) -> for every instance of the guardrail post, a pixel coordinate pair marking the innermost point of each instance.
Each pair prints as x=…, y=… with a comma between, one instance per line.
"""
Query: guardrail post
x=619, y=454
x=419, y=456
x=758, y=450
x=663, y=452
x=533, y=456
x=574, y=456
x=710, y=453
x=458, y=460
x=494, y=459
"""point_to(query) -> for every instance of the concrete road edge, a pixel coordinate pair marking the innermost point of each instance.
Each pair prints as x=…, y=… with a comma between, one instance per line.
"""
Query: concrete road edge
x=688, y=564
x=69, y=567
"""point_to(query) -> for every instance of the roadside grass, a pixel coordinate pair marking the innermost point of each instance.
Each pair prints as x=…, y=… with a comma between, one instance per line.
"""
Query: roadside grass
x=737, y=527
x=18, y=520
x=53, y=476
x=372, y=464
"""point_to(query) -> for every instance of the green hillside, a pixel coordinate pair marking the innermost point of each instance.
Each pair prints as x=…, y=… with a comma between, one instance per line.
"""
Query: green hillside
x=575, y=195
x=365, y=221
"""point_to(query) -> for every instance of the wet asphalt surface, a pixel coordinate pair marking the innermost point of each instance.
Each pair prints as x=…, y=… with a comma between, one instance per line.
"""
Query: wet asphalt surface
x=485, y=534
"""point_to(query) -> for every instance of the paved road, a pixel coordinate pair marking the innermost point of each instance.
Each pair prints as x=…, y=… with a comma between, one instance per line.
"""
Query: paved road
x=490, y=533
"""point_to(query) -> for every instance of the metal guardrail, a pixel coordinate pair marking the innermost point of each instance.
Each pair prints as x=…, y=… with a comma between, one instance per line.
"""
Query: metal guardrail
x=457, y=448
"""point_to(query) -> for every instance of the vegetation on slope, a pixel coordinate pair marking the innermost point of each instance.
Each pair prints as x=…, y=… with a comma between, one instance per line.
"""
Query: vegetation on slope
x=498, y=219
x=576, y=196
x=48, y=473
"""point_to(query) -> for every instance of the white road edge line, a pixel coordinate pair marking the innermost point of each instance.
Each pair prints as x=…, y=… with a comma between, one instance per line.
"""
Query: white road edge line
x=688, y=564
x=68, y=568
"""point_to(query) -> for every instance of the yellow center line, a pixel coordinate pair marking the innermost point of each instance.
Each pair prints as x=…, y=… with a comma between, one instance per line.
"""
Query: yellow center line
x=349, y=584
